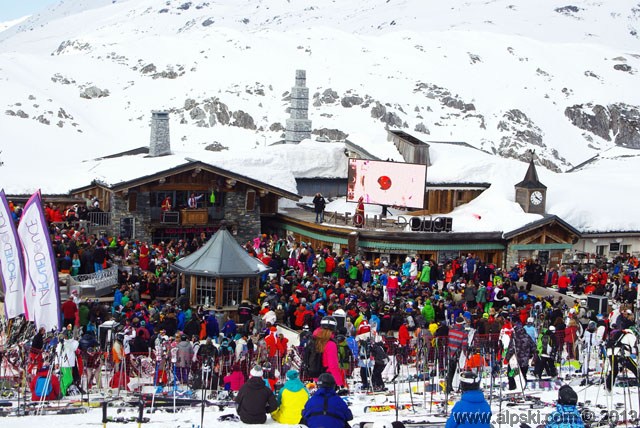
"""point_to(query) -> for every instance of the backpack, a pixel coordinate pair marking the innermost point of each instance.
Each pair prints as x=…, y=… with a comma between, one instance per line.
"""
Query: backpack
x=364, y=350
x=40, y=384
x=344, y=356
x=312, y=360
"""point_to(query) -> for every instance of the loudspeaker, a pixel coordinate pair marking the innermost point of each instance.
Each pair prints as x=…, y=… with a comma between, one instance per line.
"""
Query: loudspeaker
x=106, y=334
x=597, y=304
x=341, y=320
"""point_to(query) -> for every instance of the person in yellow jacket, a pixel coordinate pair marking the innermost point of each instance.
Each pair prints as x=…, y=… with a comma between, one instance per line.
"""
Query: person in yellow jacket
x=291, y=400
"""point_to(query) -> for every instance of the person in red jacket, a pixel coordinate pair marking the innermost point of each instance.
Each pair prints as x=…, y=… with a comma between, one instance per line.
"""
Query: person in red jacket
x=69, y=309
x=563, y=283
x=331, y=265
x=299, y=316
x=404, y=339
x=44, y=385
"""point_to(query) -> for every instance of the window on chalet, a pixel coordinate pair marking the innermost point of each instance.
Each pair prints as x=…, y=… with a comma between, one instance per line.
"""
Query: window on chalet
x=250, y=202
x=133, y=202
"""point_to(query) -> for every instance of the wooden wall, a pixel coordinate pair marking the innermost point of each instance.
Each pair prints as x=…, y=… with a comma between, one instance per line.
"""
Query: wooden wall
x=443, y=201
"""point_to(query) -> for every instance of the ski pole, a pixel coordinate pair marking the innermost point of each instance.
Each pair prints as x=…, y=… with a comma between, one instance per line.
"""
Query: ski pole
x=104, y=414
x=140, y=412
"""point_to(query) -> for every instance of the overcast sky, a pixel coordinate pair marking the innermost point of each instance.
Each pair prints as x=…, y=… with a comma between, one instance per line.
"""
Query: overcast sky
x=12, y=9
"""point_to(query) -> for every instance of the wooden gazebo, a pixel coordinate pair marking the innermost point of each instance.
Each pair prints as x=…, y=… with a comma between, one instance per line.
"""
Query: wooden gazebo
x=221, y=273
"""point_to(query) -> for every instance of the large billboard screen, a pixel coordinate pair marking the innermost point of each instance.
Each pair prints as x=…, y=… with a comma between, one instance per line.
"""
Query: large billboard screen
x=386, y=183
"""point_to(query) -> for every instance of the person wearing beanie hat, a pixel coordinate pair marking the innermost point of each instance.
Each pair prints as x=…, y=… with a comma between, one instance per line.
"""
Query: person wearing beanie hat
x=530, y=328
x=523, y=348
x=292, y=398
x=255, y=399
x=458, y=342
x=472, y=404
x=326, y=409
x=566, y=414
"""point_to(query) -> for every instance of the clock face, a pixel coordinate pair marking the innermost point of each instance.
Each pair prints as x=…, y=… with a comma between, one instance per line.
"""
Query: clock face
x=536, y=197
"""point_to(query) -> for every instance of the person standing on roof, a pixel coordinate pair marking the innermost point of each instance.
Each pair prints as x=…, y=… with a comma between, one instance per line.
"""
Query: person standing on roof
x=319, y=203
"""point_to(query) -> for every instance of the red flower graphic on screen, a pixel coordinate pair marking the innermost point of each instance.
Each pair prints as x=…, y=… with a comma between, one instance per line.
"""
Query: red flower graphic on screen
x=384, y=182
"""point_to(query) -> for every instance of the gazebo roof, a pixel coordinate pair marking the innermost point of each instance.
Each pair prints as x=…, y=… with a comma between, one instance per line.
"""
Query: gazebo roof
x=221, y=257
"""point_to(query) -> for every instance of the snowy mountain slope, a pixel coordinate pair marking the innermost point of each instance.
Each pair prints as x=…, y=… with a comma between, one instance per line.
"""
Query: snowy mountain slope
x=499, y=75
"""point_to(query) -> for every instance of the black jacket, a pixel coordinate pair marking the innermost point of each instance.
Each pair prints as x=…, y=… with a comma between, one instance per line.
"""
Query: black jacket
x=37, y=342
x=255, y=400
x=319, y=203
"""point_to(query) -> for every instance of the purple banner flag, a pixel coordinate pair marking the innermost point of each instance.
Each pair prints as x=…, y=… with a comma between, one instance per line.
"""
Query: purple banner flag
x=42, y=294
x=11, y=265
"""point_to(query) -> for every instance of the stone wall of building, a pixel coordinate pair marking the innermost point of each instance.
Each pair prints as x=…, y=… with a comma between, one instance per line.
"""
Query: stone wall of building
x=120, y=210
x=246, y=223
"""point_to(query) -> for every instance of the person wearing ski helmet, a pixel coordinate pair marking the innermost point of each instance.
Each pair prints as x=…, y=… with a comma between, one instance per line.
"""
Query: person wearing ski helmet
x=472, y=410
x=326, y=409
x=566, y=414
x=620, y=346
x=325, y=344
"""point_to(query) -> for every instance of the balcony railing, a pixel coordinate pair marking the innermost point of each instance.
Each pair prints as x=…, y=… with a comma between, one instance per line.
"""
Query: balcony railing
x=102, y=282
x=99, y=218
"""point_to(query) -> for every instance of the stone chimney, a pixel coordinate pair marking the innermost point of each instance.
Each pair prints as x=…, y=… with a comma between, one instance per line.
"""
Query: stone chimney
x=160, y=144
x=299, y=125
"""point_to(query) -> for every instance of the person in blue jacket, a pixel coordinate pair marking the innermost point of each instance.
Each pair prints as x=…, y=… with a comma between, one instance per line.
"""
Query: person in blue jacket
x=472, y=411
x=326, y=409
x=566, y=414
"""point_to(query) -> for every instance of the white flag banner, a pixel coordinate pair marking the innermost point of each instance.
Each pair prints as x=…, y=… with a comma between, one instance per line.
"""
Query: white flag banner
x=11, y=265
x=41, y=290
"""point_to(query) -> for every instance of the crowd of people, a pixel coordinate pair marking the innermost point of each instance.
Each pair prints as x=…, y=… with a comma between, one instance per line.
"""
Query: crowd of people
x=357, y=314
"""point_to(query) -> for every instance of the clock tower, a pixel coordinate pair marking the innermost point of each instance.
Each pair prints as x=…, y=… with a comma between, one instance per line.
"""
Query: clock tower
x=530, y=193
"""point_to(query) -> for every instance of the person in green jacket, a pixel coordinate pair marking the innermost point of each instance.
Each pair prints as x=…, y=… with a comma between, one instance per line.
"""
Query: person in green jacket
x=481, y=295
x=353, y=272
x=322, y=265
x=425, y=275
x=428, y=312
x=83, y=314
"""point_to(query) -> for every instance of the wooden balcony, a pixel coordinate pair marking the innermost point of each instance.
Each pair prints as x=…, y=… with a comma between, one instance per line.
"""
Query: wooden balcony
x=198, y=216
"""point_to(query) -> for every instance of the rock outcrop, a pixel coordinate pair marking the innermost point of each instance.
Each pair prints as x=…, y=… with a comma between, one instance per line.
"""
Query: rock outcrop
x=617, y=122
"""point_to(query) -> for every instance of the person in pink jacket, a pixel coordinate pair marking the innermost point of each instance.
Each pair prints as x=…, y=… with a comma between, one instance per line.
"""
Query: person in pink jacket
x=235, y=379
x=324, y=341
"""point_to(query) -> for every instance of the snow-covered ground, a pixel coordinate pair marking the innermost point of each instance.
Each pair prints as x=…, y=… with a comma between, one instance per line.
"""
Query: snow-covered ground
x=189, y=417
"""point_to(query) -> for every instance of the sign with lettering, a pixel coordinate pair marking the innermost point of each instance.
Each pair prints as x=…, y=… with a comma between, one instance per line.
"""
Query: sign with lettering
x=415, y=224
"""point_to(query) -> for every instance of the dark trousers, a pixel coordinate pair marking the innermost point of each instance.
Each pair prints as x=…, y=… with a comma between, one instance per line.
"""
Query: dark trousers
x=376, y=376
x=511, y=377
x=616, y=361
x=451, y=372
x=545, y=364
x=364, y=375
